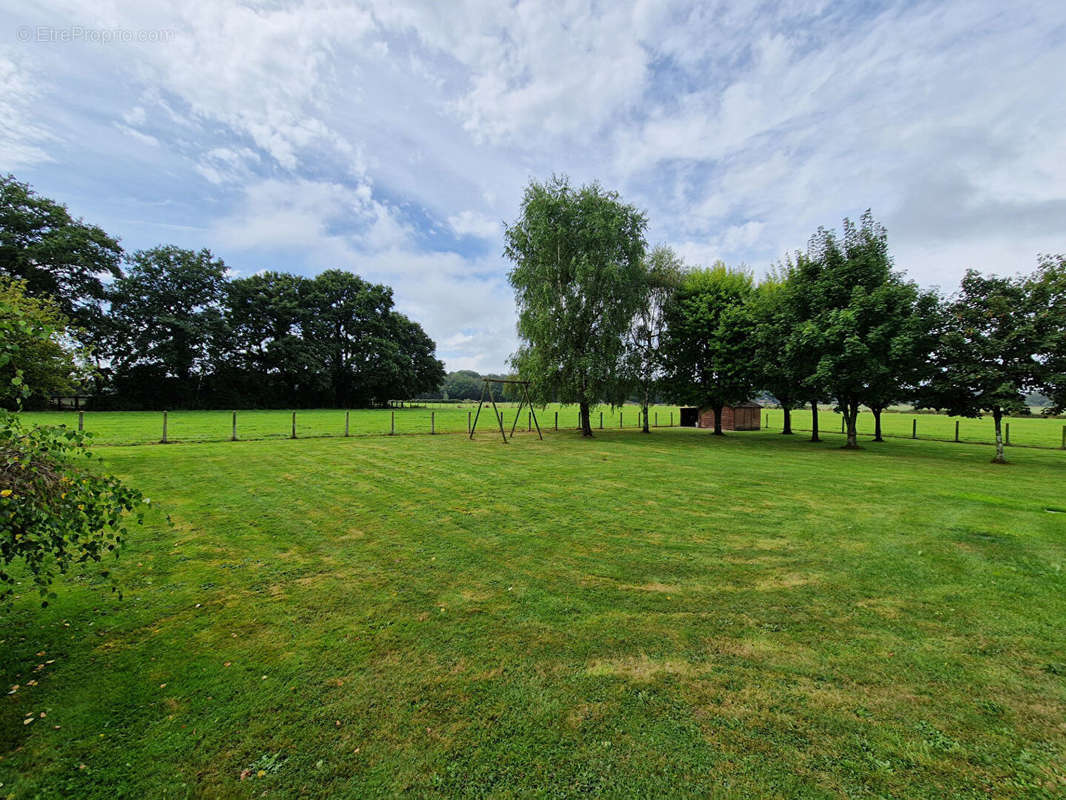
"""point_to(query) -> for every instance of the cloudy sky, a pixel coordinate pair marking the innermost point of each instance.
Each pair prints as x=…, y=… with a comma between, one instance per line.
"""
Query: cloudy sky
x=394, y=139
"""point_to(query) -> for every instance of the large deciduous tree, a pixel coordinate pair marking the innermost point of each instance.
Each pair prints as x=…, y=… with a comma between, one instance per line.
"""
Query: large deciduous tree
x=663, y=273
x=56, y=255
x=266, y=353
x=903, y=344
x=166, y=314
x=708, y=346
x=986, y=360
x=370, y=353
x=866, y=323
x=578, y=277
x=774, y=321
x=802, y=344
x=1048, y=295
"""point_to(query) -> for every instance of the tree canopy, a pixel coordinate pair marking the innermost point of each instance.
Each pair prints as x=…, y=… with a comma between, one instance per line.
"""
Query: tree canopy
x=986, y=360
x=708, y=347
x=56, y=255
x=578, y=277
x=38, y=354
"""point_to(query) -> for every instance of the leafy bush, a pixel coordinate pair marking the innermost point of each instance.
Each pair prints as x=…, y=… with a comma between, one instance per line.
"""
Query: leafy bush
x=56, y=510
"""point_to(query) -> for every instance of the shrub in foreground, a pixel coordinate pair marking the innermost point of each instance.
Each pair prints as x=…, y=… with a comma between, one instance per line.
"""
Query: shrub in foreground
x=57, y=511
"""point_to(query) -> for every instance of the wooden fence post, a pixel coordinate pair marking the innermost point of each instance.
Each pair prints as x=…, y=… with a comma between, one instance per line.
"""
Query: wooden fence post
x=81, y=421
x=468, y=422
x=233, y=436
x=432, y=422
x=914, y=428
x=619, y=419
x=164, y=439
x=656, y=419
x=557, y=425
x=1008, y=433
x=347, y=420
x=671, y=419
x=601, y=420
x=956, y=430
x=392, y=425
x=293, y=436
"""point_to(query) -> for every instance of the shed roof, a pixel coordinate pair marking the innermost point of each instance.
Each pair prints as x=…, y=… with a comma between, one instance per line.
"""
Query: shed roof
x=745, y=404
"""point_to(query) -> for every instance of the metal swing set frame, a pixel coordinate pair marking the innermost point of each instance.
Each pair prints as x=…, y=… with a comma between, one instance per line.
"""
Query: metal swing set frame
x=487, y=387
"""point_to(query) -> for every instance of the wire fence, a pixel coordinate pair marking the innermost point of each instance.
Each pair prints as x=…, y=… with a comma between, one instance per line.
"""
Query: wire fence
x=147, y=427
x=1033, y=432
x=169, y=427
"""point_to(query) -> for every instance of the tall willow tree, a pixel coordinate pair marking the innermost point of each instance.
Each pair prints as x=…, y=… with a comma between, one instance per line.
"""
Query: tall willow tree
x=664, y=271
x=579, y=280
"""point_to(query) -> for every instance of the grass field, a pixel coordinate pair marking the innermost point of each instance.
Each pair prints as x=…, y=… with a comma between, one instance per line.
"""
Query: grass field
x=670, y=615
x=142, y=427
x=1034, y=431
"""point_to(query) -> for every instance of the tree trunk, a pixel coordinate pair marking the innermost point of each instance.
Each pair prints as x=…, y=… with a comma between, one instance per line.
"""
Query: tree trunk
x=814, y=421
x=586, y=421
x=851, y=414
x=1000, y=458
x=788, y=420
x=877, y=424
x=645, y=412
x=718, y=421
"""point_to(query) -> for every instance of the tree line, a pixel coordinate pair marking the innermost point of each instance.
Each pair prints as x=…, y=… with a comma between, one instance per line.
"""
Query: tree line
x=171, y=328
x=602, y=316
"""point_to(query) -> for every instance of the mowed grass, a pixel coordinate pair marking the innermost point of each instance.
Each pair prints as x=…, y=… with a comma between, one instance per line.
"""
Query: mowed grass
x=144, y=427
x=664, y=615
x=1033, y=431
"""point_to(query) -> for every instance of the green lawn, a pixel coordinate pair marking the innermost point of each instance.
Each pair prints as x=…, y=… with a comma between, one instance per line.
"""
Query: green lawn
x=652, y=616
x=142, y=427
x=1034, y=431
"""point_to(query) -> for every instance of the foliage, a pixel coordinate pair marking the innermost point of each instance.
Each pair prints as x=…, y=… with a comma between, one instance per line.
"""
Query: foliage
x=166, y=314
x=57, y=255
x=985, y=362
x=861, y=319
x=38, y=357
x=266, y=354
x=578, y=277
x=663, y=271
x=774, y=321
x=905, y=343
x=184, y=335
x=369, y=353
x=1047, y=289
x=707, y=344
x=465, y=384
x=55, y=510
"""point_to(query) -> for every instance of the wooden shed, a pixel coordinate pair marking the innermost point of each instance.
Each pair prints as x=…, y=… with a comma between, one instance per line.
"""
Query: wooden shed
x=741, y=417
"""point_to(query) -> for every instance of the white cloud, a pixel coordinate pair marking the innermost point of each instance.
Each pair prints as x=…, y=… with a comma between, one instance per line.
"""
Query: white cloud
x=471, y=223
x=22, y=141
x=308, y=134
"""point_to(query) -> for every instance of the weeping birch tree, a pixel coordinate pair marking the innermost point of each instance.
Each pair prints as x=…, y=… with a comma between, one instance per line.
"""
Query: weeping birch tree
x=664, y=272
x=579, y=281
